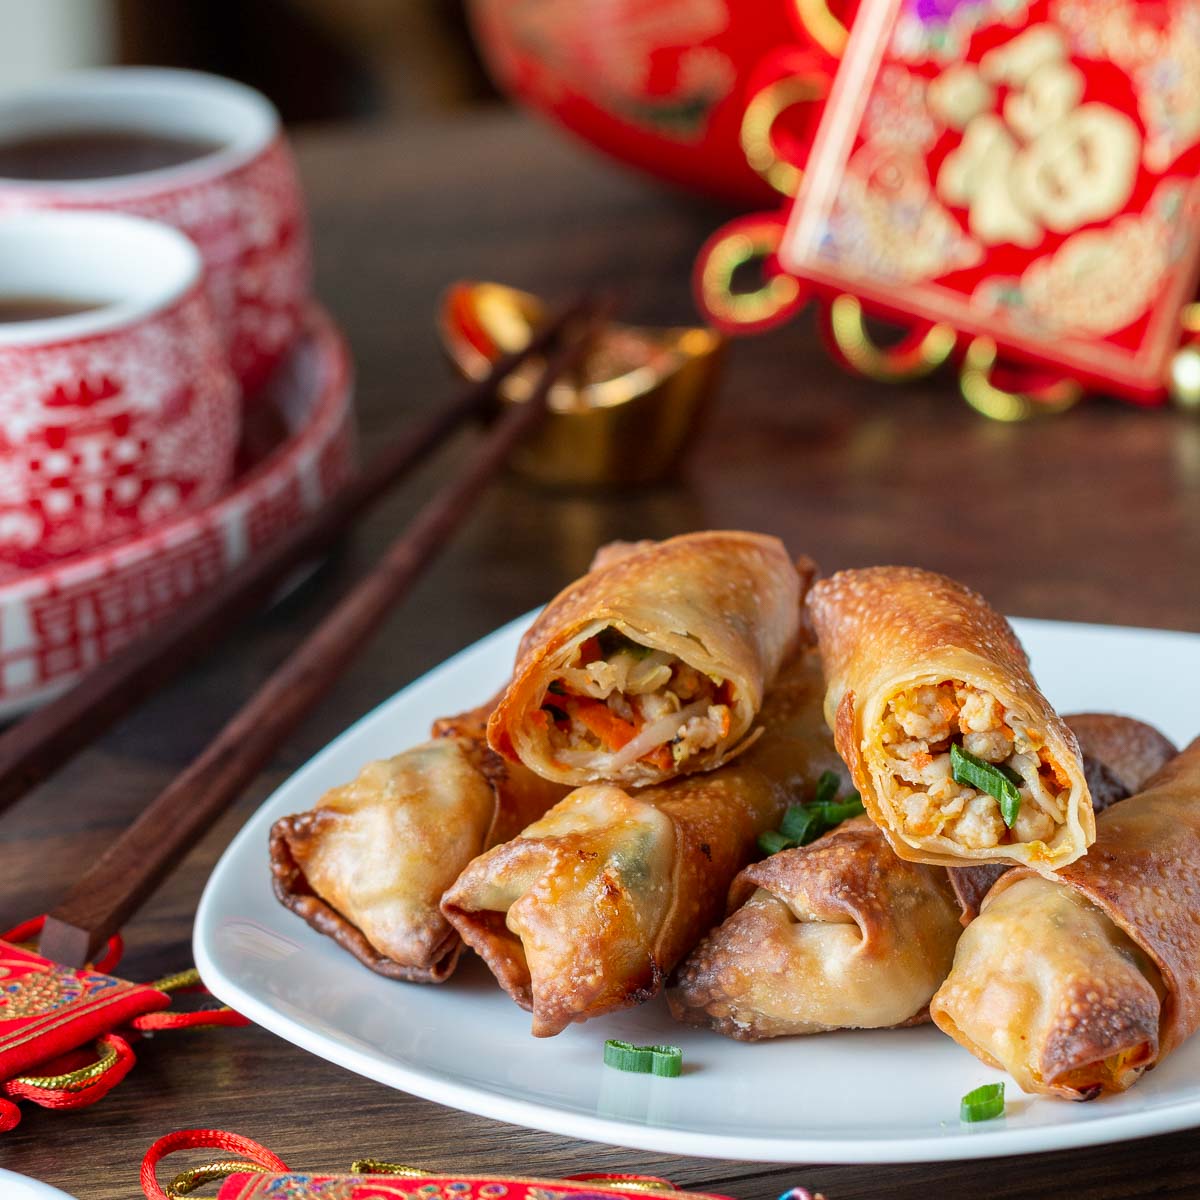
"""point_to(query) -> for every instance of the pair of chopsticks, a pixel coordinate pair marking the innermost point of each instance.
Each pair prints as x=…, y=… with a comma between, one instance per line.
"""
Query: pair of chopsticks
x=113, y=888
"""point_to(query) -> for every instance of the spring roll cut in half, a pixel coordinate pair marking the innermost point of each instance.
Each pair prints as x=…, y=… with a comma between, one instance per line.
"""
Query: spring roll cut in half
x=1120, y=754
x=1077, y=985
x=655, y=663
x=368, y=865
x=958, y=756
x=841, y=934
x=588, y=910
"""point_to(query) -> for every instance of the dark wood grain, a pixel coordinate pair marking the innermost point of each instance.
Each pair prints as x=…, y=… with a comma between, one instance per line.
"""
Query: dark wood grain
x=31, y=750
x=1095, y=516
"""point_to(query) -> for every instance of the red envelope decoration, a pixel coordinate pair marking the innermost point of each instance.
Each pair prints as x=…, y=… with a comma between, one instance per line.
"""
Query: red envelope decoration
x=1019, y=177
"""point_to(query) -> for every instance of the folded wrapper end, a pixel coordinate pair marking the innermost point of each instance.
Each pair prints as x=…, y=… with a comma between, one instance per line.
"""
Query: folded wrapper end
x=292, y=890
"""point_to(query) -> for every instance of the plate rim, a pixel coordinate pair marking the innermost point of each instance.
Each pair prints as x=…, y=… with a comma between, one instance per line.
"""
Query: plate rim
x=984, y=1141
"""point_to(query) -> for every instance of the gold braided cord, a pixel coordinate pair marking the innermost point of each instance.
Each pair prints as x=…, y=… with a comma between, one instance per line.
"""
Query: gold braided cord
x=376, y=1166
x=823, y=27
x=982, y=395
x=73, y=1080
x=178, y=981
x=895, y=365
x=1189, y=317
x=188, y=1181
x=716, y=280
x=764, y=109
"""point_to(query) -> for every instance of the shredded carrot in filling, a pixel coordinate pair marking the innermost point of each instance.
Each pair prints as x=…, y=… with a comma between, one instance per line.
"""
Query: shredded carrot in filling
x=920, y=726
x=617, y=703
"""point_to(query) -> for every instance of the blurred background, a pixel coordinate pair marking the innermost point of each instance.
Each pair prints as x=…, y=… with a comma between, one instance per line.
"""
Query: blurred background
x=318, y=60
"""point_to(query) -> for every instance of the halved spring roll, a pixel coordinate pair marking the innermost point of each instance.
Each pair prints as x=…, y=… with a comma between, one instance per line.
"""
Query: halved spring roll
x=1120, y=755
x=923, y=675
x=840, y=934
x=843, y=934
x=1076, y=986
x=368, y=865
x=655, y=663
x=589, y=909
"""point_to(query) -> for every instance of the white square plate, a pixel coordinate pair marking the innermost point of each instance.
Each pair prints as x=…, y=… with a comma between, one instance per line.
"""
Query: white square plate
x=889, y=1096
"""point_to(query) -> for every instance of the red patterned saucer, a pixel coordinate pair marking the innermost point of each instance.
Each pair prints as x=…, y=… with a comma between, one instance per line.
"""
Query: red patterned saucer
x=58, y=622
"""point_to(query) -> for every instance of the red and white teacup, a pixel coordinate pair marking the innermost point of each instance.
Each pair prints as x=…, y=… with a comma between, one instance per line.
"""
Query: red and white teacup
x=117, y=404
x=236, y=196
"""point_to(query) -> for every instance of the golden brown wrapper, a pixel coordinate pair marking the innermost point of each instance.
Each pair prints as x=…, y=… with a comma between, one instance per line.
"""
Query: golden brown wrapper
x=1107, y=980
x=840, y=934
x=724, y=603
x=886, y=633
x=368, y=864
x=588, y=909
x=1120, y=754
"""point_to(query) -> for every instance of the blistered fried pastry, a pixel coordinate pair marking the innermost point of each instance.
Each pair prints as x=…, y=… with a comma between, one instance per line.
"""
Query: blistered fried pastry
x=589, y=908
x=1077, y=985
x=655, y=663
x=368, y=865
x=958, y=756
x=841, y=934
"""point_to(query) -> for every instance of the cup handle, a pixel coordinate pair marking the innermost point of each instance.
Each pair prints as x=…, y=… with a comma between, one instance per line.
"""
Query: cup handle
x=737, y=245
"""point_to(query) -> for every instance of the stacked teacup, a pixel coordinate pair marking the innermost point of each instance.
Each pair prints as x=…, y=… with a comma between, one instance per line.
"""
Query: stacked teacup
x=154, y=288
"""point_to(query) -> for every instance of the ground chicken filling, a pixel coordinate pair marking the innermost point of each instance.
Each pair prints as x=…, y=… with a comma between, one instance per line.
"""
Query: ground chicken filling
x=620, y=703
x=919, y=728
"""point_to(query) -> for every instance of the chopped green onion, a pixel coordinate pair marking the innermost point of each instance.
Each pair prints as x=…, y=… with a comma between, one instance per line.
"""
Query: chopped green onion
x=826, y=789
x=983, y=1103
x=772, y=841
x=996, y=781
x=797, y=823
x=643, y=1060
x=834, y=813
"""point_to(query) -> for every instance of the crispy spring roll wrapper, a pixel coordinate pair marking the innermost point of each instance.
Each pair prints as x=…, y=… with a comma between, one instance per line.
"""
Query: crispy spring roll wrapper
x=368, y=865
x=1120, y=755
x=588, y=910
x=915, y=662
x=841, y=934
x=844, y=934
x=696, y=625
x=1077, y=986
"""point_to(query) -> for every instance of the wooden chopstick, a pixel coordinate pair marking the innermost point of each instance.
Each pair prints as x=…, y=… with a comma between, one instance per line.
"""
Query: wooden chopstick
x=116, y=884
x=33, y=749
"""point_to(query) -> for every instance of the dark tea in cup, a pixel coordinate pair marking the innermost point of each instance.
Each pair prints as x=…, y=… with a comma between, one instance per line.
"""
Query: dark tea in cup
x=99, y=153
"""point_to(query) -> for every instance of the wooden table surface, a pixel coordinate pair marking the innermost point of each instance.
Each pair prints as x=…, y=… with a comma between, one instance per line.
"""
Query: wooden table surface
x=1094, y=516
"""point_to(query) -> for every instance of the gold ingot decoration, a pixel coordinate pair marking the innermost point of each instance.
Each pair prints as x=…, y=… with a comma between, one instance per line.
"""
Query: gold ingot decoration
x=627, y=415
x=915, y=357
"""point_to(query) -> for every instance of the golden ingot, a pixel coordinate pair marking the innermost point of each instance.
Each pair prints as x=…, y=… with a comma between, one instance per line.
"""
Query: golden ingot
x=628, y=414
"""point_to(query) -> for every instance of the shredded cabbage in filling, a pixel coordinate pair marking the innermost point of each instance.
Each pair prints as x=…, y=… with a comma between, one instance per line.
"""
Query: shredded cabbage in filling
x=619, y=703
x=919, y=727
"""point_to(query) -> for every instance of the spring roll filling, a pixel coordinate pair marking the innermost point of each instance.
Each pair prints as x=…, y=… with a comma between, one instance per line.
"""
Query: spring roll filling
x=618, y=702
x=919, y=727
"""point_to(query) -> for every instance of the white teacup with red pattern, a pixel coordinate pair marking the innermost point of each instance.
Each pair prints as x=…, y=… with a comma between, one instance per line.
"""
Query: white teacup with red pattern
x=231, y=186
x=117, y=404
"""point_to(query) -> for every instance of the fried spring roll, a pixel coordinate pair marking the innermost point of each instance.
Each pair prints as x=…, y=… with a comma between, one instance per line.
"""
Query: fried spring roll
x=1078, y=985
x=588, y=910
x=655, y=663
x=843, y=934
x=916, y=663
x=368, y=865
x=840, y=934
x=1119, y=757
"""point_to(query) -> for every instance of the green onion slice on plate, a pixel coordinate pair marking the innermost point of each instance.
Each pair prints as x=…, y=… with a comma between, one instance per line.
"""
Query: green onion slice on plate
x=643, y=1060
x=999, y=782
x=983, y=1103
